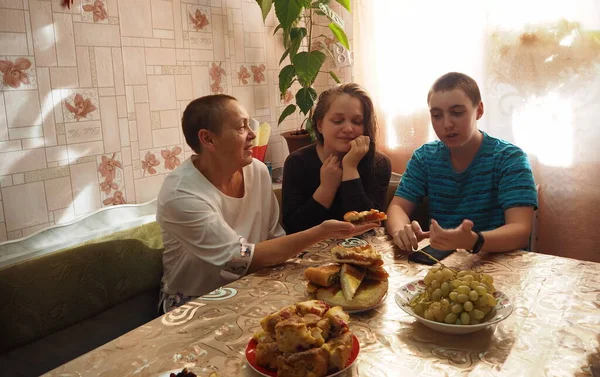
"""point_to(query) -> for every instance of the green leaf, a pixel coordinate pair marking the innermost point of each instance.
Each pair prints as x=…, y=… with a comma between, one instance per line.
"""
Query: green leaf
x=288, y=11
x=308, y=65
x=289, y=110
x=286, y=76
x=285, y=54
x=306, y=98
x=297, y=34
x=331, y=15
x=345, y=4
x=340, y=35
x=309, y=126
x=334, y=76
x=265, y=7
x=277, y=29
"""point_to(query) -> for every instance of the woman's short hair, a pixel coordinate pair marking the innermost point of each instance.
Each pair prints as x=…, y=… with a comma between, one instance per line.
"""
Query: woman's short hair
x=204, y=113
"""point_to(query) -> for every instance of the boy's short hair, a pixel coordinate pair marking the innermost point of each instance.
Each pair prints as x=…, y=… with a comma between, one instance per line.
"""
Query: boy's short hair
x=204, y=113
x=456, y=80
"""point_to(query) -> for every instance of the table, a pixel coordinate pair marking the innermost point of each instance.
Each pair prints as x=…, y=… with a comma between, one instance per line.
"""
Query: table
x=553, y=331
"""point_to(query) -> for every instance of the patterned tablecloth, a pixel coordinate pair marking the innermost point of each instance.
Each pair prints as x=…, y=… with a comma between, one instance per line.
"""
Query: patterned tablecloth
x=553, y=331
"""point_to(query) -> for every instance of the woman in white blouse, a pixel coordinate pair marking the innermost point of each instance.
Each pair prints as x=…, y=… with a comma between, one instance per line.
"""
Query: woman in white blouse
x=217, y=210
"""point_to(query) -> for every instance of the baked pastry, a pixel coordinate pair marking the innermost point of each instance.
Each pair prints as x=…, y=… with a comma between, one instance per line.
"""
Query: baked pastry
x=300, y=340
x=350, y=279
x=368, y=295
x=377, y=273
x=309, y=363
x=267, y=354
x=363, y=217
x=359, y=255
x=323, y=276
x=292, y=335
x=268, y=323
x=339, y=350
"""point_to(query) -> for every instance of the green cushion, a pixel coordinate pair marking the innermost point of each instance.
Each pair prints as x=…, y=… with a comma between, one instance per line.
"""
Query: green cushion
x=45, y=294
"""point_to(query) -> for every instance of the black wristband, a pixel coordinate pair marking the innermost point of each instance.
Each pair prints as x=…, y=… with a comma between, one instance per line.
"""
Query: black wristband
x=478, y=244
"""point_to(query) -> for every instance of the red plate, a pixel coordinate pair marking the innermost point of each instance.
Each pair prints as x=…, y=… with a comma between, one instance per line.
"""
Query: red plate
x=251, y=357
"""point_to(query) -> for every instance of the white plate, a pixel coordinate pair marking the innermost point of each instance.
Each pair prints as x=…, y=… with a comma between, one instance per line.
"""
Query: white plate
x=503, y=309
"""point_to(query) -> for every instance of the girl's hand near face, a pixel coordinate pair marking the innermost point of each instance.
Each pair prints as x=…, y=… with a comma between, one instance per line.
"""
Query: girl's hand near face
x=359, y=147
x=331, y=174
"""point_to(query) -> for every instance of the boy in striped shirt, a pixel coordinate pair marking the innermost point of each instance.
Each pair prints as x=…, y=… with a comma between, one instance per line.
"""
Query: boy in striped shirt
x=481, y=189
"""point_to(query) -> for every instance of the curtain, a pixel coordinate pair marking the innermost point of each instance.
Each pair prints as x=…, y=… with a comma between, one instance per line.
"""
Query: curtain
x=538, y=67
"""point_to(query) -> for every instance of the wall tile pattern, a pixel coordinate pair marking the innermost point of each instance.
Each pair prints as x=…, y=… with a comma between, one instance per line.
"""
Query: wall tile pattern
x=91, y=97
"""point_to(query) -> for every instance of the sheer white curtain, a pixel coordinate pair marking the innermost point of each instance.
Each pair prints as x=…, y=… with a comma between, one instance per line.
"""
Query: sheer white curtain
x=538, y=67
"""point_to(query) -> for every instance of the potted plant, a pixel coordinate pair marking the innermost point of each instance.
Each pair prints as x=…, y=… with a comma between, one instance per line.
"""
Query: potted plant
x=306, y=53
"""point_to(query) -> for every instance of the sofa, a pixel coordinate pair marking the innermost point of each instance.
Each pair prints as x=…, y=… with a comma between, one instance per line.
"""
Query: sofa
x=67, y=300
x=69, y=289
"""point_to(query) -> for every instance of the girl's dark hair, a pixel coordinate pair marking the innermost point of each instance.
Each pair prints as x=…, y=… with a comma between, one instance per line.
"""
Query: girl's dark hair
x=204, y=113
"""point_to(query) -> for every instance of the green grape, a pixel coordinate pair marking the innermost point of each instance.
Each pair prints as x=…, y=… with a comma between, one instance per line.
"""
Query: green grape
x=475, y=322
x=473, y=295
x=463, y=289
x=450, y=318
x=435, y=284
x=440, y=316
x=456, y=283
x=462, y=297
x=468, y=278
x=460, y=274
x=428, y=278
x=428, y=315
x=474, y=284
x=465, y=318
x=481, y=302
x=445, y=303
x=435, y=309
x=445, y=289
x=439, y=276
x=477, y=314
x=453, y=295
x=491, y=301
x=457, y=308
x=468, y=306
x=419, y=310
x=436, y=295
x=458, y=322
x=448, y=275
x=481, y=290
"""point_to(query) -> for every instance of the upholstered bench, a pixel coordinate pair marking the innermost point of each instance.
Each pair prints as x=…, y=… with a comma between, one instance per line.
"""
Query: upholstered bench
x=59, y=300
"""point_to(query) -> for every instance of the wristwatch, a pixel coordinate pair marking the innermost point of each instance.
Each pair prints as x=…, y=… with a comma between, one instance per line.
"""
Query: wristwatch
x=478, y=244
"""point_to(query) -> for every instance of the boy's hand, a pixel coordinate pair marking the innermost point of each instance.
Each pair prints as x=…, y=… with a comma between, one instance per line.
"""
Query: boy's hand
x=408, y=237
x=461, y=237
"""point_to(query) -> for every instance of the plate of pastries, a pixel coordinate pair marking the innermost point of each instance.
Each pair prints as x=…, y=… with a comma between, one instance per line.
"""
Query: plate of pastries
x=356, y=280
x=309, y=338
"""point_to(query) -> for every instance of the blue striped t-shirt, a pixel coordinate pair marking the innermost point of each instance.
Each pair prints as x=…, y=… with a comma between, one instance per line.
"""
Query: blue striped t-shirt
x=498, y=178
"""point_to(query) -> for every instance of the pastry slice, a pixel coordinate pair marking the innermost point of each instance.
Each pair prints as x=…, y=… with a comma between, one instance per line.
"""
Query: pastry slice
x=350, y=279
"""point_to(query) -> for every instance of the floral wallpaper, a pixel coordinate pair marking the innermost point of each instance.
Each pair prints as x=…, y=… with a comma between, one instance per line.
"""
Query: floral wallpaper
x=91, y=97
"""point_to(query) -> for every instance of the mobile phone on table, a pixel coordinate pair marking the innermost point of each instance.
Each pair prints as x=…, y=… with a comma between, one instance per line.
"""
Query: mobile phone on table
x=423, y=259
